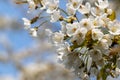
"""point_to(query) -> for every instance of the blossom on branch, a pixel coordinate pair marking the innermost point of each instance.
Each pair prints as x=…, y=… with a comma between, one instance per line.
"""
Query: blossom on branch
x=86, y=46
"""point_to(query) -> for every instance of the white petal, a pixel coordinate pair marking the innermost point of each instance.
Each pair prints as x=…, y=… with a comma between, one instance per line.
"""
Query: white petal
x=89, y=63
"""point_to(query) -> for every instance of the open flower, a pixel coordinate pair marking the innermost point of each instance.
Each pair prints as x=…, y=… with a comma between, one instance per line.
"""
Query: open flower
x=114, y=28
x=71, y=28
x=52, y=5
x=84, y=9
x=96, y=11
x=75, y=3
x=102, y=4
x=95, y=54
x=58, y=37
x=55, y=16
x=86, y=23
x=70, y=9
x=97, y=34
x=79, y=35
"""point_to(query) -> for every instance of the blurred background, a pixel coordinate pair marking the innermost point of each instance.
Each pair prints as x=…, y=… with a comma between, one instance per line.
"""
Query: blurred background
x=23, y=57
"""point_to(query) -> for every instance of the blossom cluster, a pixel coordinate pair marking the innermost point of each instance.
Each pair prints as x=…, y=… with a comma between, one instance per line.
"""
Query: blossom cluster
x=89, y=46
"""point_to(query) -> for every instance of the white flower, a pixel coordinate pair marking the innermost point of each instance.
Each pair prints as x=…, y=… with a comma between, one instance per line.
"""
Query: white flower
x=75, y=3
x=71, y=28
x=58, y=37
x=97, y=34
x=32, y=5
x=96, y=11
x=84, y=9
x=63, y=51
x=102, y=4
x=101, y=20
x=95, y=54
x=104, y=20
x=55, y=16
x=96, y=22
x=33, y=32
x=79, y=35
x=70, y=9
x=27, y=23
x=52, y=5
x=114, y=27
x=109, y=39
x=86, y=23
x=104, y=44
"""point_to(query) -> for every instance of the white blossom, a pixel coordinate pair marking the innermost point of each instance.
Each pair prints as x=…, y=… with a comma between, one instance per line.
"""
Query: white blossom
x=71, y=28
x=75, y=3
x=27, y=23
x=97, y=34
x=52, y=5
x=70, y=9
x=33, y=32
x=114, y=28
x=55, y=16
x=32, y=5
x=79, y=35
x=104, y=44
x=109, y=38
x=84, y=9
x=58, y=37
x=95, y=54
x=86, y=23
x=96, y=11
x=102, y=4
